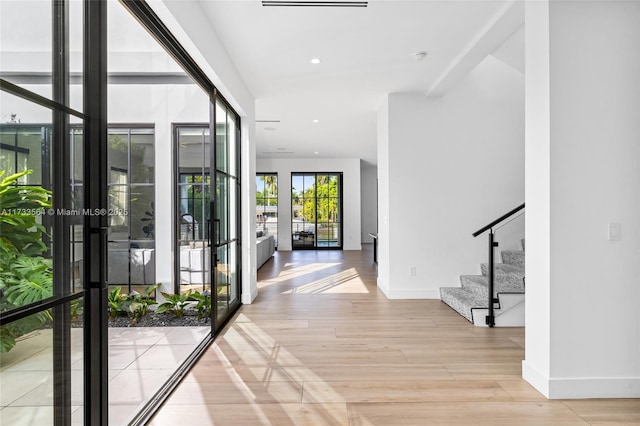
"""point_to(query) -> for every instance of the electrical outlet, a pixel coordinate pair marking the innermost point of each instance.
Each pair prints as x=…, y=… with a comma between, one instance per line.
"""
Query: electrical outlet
x=412, y=271
x=614, y=232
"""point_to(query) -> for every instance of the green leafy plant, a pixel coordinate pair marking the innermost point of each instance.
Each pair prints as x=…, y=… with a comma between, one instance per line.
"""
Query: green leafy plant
x=77, y=309
x=139, y=303
x=175, y=303
x=203, y=305
x=10, y=332
x=25, y=276
x=20, y=233
x=117, y=303
x=134, y=304
x=27, y=280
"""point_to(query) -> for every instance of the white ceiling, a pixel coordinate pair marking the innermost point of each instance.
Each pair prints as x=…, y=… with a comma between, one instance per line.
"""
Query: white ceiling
x=365, y=53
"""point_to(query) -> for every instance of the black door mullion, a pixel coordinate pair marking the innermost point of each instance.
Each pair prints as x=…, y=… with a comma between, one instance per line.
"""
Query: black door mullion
x=95, y=227
x=59, y=150
x=213, y=199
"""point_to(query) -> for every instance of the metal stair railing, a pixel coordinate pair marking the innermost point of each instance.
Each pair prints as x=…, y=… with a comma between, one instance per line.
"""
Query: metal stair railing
x=490, y=319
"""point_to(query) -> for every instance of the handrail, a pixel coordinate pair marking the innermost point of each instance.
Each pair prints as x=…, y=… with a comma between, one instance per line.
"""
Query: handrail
x=498, y=220
x=491, y=319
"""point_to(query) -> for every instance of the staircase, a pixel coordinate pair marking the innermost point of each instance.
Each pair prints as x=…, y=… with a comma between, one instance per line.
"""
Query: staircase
x=471, y=300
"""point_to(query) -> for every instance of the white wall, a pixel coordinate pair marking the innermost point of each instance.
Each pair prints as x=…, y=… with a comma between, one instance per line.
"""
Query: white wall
x=368, y=202
x=583, y=172
x=454, y=164
x=350, y=167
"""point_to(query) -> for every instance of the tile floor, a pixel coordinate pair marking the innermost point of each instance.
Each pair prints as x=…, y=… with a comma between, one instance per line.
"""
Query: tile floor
x=140, y=361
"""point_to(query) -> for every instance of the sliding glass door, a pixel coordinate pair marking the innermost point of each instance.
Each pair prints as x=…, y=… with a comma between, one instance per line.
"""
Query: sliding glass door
x=207, y=249
x=42, y=286
x=82, y=206
x=316, y=216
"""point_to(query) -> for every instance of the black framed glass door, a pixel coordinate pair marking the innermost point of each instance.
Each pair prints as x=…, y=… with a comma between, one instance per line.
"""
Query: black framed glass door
x=193, y=208
x=42, y=285
x=57, y=213
x=316, y=210
x=225, y=226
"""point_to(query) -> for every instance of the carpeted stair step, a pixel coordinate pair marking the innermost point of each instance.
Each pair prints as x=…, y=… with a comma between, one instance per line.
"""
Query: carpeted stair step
x=513, y=257
x=503, y=271
x=472, y=298
x=462, y=301
x=479, y=285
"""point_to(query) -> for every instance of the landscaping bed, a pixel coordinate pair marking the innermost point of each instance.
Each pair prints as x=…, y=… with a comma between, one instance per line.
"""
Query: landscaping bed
x=161, y=320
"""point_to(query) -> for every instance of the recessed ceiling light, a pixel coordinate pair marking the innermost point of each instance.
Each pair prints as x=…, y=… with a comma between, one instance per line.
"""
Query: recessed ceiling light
x=315, y=61
x=316, y=152
x=316, y=121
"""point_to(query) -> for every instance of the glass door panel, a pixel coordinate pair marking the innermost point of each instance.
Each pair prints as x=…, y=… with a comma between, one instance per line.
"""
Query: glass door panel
x=316, y=210
x=267, y=205
x=193, y=208
x=226, y=209
x=222, y=282
x=233, y=273
x=38, y=263
x=232, y=146
x=222, y=142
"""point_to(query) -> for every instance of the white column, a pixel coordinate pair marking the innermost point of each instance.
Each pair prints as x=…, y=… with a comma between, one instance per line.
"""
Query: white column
x=583, y=174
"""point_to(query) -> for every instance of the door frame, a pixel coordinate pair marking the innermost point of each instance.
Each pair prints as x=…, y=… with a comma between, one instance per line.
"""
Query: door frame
x=315, y=224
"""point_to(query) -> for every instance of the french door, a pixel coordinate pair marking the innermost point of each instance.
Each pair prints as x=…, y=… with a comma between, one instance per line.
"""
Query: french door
x=316, y=216
x=193, y=208
x=207, y=224
x=225, y=205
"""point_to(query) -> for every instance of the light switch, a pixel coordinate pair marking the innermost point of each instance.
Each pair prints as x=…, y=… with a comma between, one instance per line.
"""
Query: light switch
x=614, y=232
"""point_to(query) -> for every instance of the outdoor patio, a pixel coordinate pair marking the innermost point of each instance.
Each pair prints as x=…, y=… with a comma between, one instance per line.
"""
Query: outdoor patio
x=140, y=361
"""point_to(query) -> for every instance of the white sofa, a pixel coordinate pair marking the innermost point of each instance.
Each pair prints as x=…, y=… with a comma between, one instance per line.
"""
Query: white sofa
x=142, y=262
x=265, y=247
x=195, y=263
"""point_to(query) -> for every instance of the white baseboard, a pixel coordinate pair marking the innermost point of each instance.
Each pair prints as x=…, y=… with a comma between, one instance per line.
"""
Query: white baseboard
x=594, y=387
x=247, y=299
x=426, y=293
x=535, y=378
x=581, y=387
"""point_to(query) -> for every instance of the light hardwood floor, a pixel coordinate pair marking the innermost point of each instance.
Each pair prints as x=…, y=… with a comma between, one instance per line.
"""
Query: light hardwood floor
x=322, y=346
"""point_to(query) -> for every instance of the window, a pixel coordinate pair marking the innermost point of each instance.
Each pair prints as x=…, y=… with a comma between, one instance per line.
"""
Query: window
x=316, y=216
x=193, y=208
x=131, y=166
x=267, y=205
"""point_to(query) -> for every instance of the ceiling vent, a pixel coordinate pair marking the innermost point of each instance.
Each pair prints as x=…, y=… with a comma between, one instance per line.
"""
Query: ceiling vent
x=310, y=3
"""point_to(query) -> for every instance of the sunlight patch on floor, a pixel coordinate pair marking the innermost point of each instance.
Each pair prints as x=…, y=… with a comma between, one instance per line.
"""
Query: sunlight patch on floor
x=289, y=274
x=347, y=281
x=263, y=353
